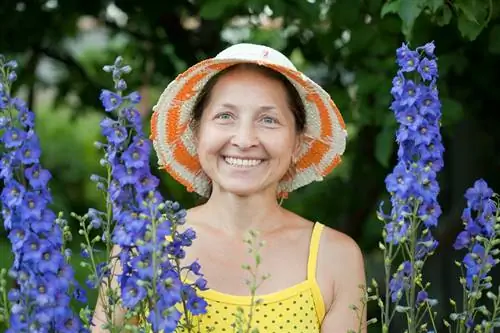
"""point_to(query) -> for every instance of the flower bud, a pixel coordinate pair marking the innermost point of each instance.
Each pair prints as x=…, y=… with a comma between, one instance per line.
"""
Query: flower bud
x=116, y=74
x=95, y=178
x=126, y=69
x=118, y=61
x=12, y=77
x=401, y=309
x=121, y=85
x=432, y=302
x=491, y=295
x=108, y=68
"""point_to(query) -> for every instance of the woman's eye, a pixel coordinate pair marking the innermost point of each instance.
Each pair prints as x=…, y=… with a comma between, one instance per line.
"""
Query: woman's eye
x=269, y=120
x=223, y=116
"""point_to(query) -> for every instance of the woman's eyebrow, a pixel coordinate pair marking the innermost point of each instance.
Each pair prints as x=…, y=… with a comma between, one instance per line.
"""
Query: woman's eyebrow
x=229, y=106
x=261, y=108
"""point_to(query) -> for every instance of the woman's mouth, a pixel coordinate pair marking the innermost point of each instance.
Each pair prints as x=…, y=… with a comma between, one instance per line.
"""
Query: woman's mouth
x=242, y=162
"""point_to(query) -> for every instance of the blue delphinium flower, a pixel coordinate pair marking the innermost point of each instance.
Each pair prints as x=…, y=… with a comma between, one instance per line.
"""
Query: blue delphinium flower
x=480, y=238
x=413, y=184
x=44, y=278
x=144, y=225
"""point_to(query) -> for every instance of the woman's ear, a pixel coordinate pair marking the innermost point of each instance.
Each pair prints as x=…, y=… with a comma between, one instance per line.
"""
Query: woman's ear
x=194, y=132
x=299, y=141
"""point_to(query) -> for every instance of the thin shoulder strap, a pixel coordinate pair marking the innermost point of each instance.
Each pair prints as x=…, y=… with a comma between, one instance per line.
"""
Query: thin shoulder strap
x=313, y=251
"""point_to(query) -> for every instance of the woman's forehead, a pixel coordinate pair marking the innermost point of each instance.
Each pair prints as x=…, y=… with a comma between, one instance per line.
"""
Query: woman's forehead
x=245, y=84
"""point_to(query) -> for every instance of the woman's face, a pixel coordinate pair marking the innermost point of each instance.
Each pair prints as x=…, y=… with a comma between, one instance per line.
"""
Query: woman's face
x=246, y=136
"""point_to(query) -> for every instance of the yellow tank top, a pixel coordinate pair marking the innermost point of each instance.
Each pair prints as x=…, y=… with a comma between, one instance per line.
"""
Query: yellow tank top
x=299, y=308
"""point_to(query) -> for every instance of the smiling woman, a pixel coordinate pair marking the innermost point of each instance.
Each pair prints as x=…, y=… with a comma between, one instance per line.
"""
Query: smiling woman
x=246, y=135
x=244, y=129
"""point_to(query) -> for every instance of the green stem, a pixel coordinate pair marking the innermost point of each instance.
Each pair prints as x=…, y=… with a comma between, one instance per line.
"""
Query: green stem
x=109, y=213
x=252, y=299
x=5, y=305
x=431, y=316
x=471, y=302
x=386, y=318
x=155, y=268
x=187, y=320
x=496, y=307
x=412, y=327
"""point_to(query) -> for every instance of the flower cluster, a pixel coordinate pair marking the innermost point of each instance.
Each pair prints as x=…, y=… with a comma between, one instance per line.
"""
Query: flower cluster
x=40, y=300
x=481, y=239
x=413, y=183
x=144, y=228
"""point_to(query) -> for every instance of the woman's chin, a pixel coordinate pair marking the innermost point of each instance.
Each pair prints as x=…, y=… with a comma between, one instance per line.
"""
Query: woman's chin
x=242, y=189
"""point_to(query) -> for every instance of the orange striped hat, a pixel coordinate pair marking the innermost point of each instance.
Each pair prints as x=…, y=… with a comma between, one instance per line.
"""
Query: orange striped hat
x=173, y=138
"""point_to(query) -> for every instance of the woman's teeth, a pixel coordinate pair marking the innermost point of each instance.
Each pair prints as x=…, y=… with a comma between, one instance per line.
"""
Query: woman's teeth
x=241, y=162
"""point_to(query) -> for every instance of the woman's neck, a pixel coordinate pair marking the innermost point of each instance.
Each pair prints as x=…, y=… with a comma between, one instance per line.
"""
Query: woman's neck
x=235, y=214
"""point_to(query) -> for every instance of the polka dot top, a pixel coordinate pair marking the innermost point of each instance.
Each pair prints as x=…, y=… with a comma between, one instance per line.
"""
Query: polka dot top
x=299, y=308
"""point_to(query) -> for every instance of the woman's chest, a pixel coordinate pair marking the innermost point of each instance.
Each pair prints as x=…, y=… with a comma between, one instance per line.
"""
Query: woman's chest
x=230, y=265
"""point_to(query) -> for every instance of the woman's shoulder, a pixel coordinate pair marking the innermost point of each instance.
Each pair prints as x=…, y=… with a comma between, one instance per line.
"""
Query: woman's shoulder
x=339, y=257
x=338, y=243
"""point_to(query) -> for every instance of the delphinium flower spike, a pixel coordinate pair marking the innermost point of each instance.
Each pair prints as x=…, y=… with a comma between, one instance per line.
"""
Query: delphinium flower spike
x=413, y=185
x=481, y=240
x=44, y=280
x=138, y=220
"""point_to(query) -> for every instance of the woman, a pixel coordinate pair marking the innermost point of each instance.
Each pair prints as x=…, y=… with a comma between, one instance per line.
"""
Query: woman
x=243, y=129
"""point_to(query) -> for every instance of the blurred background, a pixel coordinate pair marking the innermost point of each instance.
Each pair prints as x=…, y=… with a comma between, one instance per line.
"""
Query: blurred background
x=347, y=46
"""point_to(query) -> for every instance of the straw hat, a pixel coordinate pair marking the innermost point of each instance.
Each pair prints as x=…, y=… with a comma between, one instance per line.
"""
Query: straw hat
x=173, y=139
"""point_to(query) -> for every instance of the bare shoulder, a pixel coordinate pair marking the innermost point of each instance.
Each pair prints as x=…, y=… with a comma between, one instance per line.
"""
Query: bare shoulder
x=340, y=245
x=340, y=267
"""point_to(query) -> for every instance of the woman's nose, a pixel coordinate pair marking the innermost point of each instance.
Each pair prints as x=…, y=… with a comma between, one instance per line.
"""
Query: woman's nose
x=245, y=137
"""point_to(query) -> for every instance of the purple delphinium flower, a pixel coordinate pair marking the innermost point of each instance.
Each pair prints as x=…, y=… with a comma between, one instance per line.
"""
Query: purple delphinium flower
x=43, y=278
x=413, y=184
x=139, y=212
x=428, y=69
x=417, y=111
x=479, y=218
x=110, y=100
x=480, y=239
x=407, y=59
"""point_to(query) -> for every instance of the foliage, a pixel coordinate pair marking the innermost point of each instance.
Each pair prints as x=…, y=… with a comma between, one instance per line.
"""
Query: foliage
x=348, y=48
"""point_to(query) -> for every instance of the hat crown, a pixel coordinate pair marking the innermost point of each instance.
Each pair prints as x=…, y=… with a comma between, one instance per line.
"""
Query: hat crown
x=255, y=52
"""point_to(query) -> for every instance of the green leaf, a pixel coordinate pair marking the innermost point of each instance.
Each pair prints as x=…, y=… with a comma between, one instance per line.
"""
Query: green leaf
x=468, y=29
x=472, y=17
x=444, y=16
x=213, y=9
x=452, y=111
x=384, y=145
x=494, y=43
x=468, y=8
x=346, y=12
x=409, y=10
x=434, y=5
x=390, y=7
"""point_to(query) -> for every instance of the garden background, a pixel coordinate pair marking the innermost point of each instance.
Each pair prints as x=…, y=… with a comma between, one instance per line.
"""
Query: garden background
x=348, y=46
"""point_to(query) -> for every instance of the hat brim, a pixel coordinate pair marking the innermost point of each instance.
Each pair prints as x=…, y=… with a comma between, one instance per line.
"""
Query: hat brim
x=173, y=139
